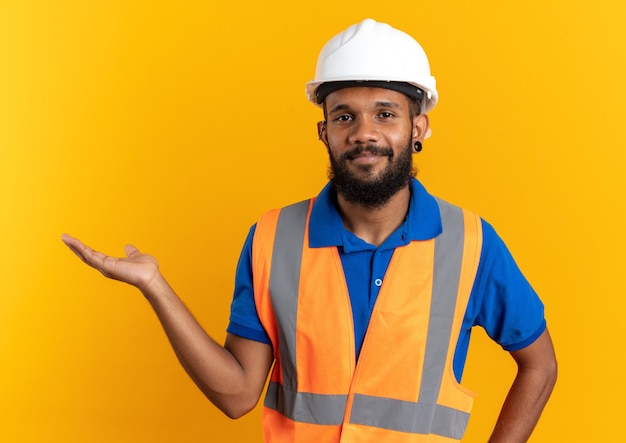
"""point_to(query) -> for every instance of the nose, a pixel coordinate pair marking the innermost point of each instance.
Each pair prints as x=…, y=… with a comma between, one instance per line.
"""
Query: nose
x=364, y=131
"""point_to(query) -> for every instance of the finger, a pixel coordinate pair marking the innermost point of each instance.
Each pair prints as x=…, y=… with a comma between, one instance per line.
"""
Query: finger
x=131, y=250
x=69, y=240
x=93, y=258
x=75, y=245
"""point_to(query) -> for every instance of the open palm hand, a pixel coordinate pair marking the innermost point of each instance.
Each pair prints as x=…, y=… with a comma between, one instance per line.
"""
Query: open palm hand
x=136, y=268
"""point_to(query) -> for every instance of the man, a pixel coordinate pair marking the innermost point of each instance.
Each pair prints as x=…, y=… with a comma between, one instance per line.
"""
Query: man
x=364, y=297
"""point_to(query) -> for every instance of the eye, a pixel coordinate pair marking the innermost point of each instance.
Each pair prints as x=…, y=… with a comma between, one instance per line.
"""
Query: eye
x=386, y=114
x=343, y=118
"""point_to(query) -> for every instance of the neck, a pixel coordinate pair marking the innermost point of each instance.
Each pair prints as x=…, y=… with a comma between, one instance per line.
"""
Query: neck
x=375, y=225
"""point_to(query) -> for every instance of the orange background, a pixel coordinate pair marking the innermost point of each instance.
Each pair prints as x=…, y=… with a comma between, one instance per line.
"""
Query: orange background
x=174, y=125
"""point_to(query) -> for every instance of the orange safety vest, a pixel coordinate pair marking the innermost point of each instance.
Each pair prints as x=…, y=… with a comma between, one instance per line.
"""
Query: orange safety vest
x=402, y=389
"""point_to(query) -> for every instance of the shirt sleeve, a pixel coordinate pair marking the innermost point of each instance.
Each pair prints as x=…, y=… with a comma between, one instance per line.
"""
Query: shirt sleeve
x=244, y=320
x=503, y=302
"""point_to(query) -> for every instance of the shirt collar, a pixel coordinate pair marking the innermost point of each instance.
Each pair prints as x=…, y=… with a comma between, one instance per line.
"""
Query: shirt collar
x=423, y=222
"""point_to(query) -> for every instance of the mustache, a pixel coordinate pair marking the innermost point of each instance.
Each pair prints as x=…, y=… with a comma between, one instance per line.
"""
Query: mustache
x=374, y=150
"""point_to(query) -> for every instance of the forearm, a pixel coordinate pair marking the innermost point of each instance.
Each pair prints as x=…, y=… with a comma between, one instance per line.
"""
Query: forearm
x=536, y=377
x=233, y=376
x=522, y=408
x=214, y=369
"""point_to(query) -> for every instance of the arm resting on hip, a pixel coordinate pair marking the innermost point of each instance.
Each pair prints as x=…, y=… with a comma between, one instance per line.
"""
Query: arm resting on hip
x=536, y=376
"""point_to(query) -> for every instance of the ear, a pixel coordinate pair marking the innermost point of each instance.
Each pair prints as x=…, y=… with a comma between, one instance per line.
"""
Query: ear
x=421, y=127
x=321, y=132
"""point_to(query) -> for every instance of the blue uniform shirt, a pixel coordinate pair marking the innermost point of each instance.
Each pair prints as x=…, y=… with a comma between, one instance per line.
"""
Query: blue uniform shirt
x=502, y=301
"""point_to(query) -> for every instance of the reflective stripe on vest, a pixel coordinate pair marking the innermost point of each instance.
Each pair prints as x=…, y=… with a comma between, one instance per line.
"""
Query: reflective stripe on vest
x=424, y=416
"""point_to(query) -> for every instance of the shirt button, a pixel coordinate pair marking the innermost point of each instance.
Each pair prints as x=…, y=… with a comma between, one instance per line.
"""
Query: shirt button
x=378, y=282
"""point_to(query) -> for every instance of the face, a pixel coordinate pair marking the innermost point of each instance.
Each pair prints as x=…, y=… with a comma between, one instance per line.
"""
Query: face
x=369, y=135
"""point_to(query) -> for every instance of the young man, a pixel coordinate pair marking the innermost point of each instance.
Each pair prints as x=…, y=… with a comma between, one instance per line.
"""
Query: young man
x=364, y=297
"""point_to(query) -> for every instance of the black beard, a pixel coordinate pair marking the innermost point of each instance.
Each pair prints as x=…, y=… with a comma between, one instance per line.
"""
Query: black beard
x=377, y=192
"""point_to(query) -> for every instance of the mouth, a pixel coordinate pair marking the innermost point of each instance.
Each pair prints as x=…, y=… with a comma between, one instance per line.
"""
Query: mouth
x=365, y=153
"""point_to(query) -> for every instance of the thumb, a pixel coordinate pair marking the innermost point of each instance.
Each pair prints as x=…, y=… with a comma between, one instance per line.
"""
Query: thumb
x=131, y=251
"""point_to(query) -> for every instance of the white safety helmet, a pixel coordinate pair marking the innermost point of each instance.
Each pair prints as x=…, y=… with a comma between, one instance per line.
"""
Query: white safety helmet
x=376, y=53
